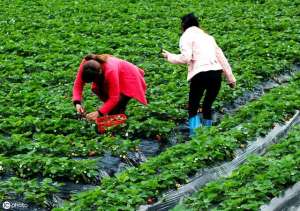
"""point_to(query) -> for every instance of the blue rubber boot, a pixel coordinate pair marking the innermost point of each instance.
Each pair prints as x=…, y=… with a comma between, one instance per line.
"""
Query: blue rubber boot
x=194, y=122
x=207, y=122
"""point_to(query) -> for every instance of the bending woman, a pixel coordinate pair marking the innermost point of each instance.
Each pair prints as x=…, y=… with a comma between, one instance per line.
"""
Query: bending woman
x=206, y=62
x=114, y=81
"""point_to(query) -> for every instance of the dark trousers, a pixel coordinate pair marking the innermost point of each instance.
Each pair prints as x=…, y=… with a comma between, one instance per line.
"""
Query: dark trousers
x=210, y=82
x=121, y=106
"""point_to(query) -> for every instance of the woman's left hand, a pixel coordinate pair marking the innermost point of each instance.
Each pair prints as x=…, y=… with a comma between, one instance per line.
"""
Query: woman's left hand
x=232, y=85
x=92, y=116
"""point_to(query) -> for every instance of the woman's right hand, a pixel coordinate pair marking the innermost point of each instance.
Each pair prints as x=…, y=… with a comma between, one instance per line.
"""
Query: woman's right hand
x=165, y=53
x=79, y=109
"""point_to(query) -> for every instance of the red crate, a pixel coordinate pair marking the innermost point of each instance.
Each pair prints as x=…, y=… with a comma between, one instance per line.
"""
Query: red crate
x=108, y=121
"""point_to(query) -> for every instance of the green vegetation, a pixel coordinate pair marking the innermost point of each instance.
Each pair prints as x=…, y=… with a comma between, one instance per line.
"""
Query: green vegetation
x=30, y=165
x=30, y=190
x=42, y=44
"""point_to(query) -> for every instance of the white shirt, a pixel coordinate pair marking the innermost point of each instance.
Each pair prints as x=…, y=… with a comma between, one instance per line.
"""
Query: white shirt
x=201, y=52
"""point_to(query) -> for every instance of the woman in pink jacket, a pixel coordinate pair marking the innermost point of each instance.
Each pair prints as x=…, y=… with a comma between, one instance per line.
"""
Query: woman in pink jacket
x=114, y=81
x=206, y=63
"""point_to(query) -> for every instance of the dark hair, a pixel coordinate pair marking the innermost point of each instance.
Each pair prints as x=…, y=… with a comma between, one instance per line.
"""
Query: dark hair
x=188, y=21
x=90, y=72
x=89, y=75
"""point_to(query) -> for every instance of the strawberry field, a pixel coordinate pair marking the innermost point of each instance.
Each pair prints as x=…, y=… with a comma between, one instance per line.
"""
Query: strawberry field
x=50, y=158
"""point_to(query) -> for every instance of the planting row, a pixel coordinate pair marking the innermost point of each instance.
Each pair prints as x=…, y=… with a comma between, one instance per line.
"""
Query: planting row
x=37, y=192
x=173, y=167
x=254, y=183
x=69, y=145
x=32, y=165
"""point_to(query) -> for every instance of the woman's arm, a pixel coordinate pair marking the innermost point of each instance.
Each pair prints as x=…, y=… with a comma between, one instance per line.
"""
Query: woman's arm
x=78, y=85
x=225, y=65
x=186, y=49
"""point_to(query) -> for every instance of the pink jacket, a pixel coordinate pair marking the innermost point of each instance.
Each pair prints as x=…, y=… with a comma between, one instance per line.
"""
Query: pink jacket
x=201, y=52
x=120, y=77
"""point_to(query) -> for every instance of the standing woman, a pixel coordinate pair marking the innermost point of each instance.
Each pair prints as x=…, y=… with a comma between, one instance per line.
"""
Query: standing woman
x=114, y=81
x=206, y=62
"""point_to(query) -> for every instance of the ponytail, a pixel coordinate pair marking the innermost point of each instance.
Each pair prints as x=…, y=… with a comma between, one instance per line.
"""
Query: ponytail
x=102, y=58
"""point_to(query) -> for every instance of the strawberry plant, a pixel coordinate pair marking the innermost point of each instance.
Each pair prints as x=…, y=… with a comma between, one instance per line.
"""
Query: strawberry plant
x=30, y=165
x=31, y=190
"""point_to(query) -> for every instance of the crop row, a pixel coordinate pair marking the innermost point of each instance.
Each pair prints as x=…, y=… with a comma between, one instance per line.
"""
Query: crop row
x=256, y=182
x=60, y=145
x=174, y=166
x=32, y=165
x=37, y=192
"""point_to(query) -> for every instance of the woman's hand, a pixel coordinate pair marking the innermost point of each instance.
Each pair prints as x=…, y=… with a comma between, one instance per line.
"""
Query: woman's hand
x=92, y=116
x=232, y=85
x=79, y=109
x=165, y=53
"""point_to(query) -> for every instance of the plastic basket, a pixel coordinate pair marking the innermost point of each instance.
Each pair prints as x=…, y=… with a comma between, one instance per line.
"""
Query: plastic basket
x=105, y=122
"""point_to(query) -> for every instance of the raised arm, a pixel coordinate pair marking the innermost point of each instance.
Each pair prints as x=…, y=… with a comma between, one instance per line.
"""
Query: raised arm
x=186, y=51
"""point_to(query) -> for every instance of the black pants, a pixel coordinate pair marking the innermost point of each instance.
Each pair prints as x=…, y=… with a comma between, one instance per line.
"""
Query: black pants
x=121, y=106
x=210, y=82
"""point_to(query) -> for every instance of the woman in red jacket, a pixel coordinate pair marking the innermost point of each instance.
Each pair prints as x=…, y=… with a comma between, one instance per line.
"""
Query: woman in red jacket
x=114, y=81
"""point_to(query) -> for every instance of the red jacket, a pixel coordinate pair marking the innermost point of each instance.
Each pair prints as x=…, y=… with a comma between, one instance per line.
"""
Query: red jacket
x=120, y=77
